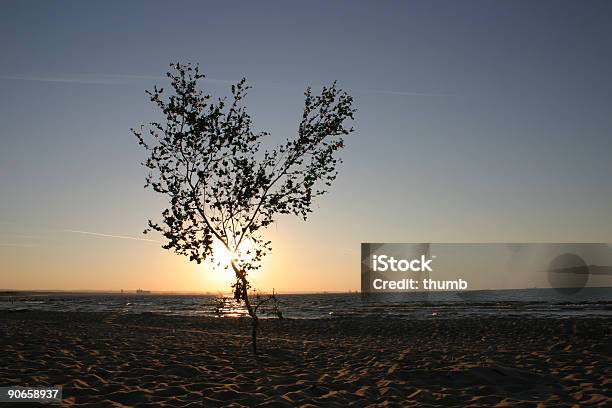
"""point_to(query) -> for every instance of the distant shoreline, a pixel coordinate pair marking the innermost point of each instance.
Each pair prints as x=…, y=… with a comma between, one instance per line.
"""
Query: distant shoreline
x=13, y=292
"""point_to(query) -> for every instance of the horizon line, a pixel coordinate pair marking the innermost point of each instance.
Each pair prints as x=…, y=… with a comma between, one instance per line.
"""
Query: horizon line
x=4, y=291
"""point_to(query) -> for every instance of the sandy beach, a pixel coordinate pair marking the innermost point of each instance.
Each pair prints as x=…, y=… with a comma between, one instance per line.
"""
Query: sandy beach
x=105, y=359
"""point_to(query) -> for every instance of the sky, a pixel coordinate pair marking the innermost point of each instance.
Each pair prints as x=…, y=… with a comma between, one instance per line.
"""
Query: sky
x=478, y=121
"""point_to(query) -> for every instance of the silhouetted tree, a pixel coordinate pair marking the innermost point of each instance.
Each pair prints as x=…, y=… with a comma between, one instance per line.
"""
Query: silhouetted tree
x=221, y=184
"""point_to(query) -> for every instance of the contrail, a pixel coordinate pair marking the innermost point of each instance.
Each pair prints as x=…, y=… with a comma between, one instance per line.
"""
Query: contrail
x=108, y=79
x=97, y=79
x=59, y=79
x=403, y=93
x=97, y=234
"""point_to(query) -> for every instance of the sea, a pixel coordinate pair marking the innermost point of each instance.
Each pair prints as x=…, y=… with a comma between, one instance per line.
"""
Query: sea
x=591, y=302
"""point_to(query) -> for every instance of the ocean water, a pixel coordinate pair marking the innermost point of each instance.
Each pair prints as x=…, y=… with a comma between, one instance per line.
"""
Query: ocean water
x=431, y=305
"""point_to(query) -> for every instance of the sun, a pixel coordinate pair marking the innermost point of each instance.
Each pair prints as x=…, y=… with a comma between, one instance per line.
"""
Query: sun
x=224, y=257
x=221, y=255
x=220, y=265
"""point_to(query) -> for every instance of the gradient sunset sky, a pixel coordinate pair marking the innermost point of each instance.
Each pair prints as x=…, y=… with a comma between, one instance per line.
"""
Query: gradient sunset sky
x=478, y=121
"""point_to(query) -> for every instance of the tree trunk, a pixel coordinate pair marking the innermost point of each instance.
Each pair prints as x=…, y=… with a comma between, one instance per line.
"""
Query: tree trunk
x=245, y=296
x=255, y=325
x=253, y=314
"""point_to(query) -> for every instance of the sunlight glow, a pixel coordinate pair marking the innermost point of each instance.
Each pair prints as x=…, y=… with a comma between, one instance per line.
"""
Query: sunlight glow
x=221, y=255
x=219, y=270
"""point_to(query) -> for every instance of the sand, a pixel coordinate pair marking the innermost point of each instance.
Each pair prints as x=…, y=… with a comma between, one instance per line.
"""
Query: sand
x=104, y=359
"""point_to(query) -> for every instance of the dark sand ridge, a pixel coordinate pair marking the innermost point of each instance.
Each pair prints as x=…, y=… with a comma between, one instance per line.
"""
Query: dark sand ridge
x=103, y=359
